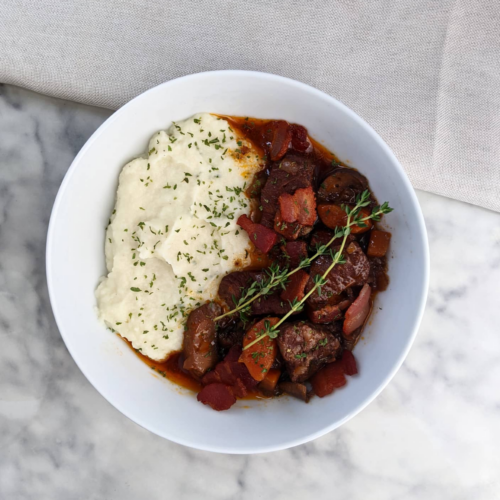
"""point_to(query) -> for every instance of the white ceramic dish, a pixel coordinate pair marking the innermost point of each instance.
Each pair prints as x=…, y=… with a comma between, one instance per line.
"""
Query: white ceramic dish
x=75, y=261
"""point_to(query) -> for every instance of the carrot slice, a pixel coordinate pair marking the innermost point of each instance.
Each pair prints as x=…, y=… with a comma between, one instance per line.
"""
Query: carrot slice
x=334, y=216
x=379, y=243
x=368, y=223
x=260, y=357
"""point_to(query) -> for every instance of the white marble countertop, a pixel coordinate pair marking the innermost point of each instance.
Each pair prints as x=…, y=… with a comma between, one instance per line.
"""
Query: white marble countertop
x=434, y=432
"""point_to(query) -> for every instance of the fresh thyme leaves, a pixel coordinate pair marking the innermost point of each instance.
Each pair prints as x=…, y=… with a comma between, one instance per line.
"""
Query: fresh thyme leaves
x=353, y=218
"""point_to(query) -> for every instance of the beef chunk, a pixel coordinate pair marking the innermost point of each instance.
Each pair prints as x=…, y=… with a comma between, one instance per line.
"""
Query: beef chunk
x=323, y=237
x=296, y=390
x=354, y=272
x=232, y=285
x=272, y=304
x=306, y=348
x=378, y=278
x=350, y=341
x=230, y=334
x=293, y=172
x=342, y=186
x=295, y=251
x=200, y=350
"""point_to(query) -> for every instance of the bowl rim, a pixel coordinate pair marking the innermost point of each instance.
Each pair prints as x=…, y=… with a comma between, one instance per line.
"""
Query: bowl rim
x=419, y=222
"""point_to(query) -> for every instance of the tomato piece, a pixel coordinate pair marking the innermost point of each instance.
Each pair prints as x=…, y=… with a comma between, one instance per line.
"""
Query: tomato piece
x=349, y=363
x=328, y=379
x=379, y=243
x=261, y=236
x=259, y=357
x=218, y=396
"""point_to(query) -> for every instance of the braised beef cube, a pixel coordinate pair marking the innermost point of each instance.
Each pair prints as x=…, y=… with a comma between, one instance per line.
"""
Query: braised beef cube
x=296, y=251
x=335, y=328
x=378, y=278
x=231, y=334
x=294, y=171
x=296, y=390
x=354, y=272
x=350, y=341
x=342, y=186
x=271, y=305
x=233, y=284
x=200, y=349
x=306, y=348
x=324, y=236
x=330, y=312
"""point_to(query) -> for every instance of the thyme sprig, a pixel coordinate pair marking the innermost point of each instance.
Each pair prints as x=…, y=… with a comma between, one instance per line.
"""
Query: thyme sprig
x=353, y=218
x=279, y=277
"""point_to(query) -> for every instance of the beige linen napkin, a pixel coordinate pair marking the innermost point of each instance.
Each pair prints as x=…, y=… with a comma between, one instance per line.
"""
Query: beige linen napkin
x=424, y=73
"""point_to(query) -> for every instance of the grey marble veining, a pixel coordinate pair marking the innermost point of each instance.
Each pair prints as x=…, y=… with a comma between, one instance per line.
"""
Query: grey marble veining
x=434, y=433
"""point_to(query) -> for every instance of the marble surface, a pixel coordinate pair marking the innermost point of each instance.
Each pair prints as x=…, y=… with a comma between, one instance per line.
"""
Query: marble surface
x=434, y=433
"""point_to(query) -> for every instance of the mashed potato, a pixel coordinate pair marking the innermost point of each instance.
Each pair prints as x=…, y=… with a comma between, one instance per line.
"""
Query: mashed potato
x=173, y=234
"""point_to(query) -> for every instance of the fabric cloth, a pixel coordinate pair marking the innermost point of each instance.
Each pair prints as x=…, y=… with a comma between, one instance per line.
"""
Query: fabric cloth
x=424, y=73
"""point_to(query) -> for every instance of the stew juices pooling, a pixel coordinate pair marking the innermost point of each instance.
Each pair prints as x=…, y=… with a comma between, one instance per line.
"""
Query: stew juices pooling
x=298, y=337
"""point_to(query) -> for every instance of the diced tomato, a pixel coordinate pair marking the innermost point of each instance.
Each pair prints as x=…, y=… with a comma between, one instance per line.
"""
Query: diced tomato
x=281, y=136
x=262, y=237
x=268, y=385
x=288, y=207
x=328, y=379
x=259, y=357
x=289, y=230
x=245, y=223
x=379, y=243
x=305, y=202
x=295, y=287
x=358, y=311
x=218, y=396
x=349, y=363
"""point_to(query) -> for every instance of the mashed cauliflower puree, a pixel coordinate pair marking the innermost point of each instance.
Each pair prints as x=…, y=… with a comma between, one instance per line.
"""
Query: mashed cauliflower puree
x=173, y=234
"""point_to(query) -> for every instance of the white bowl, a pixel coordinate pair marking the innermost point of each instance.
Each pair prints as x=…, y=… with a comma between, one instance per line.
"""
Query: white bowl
x=75, y=261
